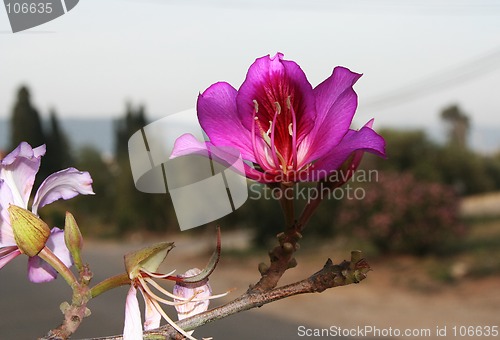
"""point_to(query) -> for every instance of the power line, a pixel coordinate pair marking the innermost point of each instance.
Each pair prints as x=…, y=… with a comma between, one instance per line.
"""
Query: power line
x=443, y=80
x=408, y=7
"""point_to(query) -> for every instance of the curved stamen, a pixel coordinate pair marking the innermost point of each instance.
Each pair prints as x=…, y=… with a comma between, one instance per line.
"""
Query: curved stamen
x=273, y=132
x=293, y=133
x=268, y=157
x=172, y=323
x=182, y=300
x=156, y=275
x=258, y=156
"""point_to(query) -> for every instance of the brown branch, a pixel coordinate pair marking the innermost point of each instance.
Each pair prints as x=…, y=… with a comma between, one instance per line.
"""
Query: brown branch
x=328, y=277
x=74, y=313
x=281, y=258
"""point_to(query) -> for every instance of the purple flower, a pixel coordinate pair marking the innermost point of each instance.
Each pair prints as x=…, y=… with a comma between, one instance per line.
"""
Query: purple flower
x=289, y=130
x=17, y=176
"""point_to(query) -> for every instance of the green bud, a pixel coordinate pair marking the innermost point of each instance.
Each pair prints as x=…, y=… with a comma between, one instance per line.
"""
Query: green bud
x=73, y=239
x=30, y=232
x=148, y=258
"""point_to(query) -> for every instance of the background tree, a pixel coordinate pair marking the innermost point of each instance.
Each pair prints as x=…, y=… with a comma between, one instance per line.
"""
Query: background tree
x=58, y=154
x=134, y=120
x=26, y=124
x=135, y=210
x=453, y=164
x=458, y=126
x=402, y=214
x=96, y=212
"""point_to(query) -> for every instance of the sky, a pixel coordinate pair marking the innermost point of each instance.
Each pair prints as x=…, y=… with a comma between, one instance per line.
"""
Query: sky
x=417, y=57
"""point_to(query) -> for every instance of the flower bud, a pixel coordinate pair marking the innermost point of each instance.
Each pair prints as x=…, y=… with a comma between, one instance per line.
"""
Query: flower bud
x=73, y=239
x=30, y=232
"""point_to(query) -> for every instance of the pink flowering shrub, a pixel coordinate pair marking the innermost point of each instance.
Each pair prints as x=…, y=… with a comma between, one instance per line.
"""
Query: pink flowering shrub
x=402, y=214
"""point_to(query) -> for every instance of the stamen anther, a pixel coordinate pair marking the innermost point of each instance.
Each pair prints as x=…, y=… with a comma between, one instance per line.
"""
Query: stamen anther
x=278, y=107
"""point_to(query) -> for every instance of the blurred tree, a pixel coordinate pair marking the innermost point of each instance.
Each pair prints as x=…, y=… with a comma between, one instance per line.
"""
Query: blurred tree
x=451, y=164
x=263, y=213
x=25, y=121
x=399, y=213
x=493, y=169
x=467, y=171
x=407, y=150
x=95, y=214
x=463, y=169
x=134, y=120
x=58, y=154
x=89, y=159
x=458, y=125
x=133, y=209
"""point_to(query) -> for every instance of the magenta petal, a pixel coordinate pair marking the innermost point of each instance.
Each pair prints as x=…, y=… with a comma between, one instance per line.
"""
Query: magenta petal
x=257, y=77
x=63, y=184
x=40, y=271
x=331, y=131
x=7, y=254
x=365, y=139
x=305, y=102
x=18, y=169
x=270, y=80
x=132, y=329
x=187, y=144
x=219, y=119
x=330, y=90
x=336, y=104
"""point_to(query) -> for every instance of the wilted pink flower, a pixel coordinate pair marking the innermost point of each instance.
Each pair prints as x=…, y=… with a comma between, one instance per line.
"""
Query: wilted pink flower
x=201, y=291
x=141, y=267
x=17, y=175
x=290, y=131
x=187, y=302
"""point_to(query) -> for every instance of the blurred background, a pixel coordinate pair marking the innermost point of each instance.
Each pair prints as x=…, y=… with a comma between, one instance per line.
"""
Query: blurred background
x=429, y=222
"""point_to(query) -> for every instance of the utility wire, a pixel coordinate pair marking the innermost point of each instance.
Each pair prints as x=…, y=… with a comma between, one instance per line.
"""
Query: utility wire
x=443, y=80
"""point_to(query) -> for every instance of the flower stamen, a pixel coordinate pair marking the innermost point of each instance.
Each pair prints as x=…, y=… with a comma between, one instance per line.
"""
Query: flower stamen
x=161, y=289
x=272, y=127
x=258, y=157
x=156, y=275
x=293, y=132
x=170, y=321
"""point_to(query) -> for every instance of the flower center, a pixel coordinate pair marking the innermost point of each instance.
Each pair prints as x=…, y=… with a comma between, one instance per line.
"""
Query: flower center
x=279, y=133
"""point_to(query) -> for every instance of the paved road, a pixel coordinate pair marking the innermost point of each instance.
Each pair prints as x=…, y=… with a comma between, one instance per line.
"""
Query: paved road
x=28, y=310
